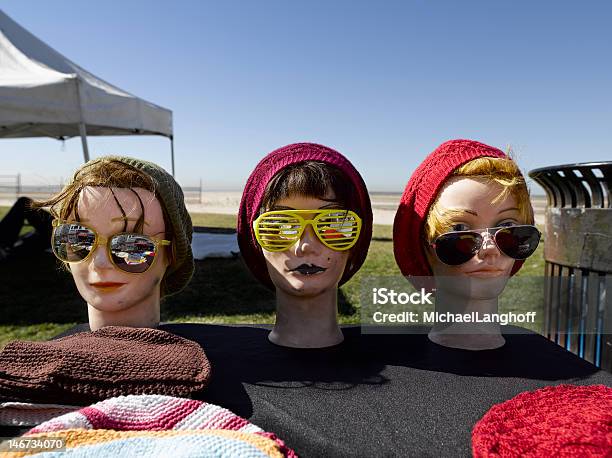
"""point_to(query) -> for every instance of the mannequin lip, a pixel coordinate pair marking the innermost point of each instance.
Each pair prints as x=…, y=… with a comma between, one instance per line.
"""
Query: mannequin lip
x=486, y=273
x=308, y=269
x=106, y=284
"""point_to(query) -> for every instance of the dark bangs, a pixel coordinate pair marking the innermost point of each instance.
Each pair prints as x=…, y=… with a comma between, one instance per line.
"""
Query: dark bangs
x=310, y=179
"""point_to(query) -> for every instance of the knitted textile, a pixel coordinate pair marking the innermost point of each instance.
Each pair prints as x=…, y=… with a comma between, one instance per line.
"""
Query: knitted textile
x=29, y=414
x=254, y=191
x=421, y=192
x=112, y=361
x=149, y=412
x=153, y=413
x=559, y=421
x=170, y=195
x=203, y=443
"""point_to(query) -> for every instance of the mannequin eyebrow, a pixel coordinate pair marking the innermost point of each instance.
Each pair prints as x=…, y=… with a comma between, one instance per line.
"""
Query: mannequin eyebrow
x=508, y=209
x=125, y=218
x=459, y=210
x=472, y=212
x=118, y=218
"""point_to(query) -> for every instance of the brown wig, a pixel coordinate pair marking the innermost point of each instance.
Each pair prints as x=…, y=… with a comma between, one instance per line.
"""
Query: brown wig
x=107, y=173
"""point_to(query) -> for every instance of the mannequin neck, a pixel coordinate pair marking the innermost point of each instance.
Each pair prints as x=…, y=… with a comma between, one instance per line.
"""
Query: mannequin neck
x=467, y=336
x=145, y=314
x=306, y=322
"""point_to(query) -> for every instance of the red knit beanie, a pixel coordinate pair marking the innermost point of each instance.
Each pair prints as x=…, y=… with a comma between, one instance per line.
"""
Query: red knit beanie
x=559, y=421
x=253, y=193
x=420, y=194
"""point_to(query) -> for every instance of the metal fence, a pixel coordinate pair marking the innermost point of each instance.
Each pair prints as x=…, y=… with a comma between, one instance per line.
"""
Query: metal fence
x=10, y=185
x=193, y=194
x=578, y=255
x=12, y=188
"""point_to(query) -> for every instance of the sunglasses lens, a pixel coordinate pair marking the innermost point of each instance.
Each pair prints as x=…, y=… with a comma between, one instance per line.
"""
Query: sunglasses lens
x=339, y=231
x=72, y=242
x=455, y=248
x=518, y=242
x=277, y=232
x=132, y=252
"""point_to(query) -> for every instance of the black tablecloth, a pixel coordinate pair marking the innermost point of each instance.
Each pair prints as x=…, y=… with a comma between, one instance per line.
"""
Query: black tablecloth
x=375, y=395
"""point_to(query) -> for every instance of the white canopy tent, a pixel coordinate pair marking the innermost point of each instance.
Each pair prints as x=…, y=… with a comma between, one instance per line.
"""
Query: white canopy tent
x=44, y=94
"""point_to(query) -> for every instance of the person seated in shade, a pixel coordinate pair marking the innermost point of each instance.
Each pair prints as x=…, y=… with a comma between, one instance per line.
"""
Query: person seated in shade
x=466, y=218
x=304, y=228
x=11, y=225
x=122, y=229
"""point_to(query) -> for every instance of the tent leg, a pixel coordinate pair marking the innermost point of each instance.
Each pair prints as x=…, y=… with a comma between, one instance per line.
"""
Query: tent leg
x=172, y=153
x=83, y=133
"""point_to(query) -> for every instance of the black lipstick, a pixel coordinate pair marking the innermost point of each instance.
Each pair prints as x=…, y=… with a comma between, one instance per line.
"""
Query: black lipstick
x=308, y=269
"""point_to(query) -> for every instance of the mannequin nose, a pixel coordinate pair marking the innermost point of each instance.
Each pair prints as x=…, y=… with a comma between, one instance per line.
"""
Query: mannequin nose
x=100, y=258
x=307, y=243
x=488, y=247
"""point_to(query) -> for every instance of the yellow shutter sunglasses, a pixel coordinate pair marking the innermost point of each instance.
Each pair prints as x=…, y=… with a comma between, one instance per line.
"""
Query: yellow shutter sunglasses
x=278, y=230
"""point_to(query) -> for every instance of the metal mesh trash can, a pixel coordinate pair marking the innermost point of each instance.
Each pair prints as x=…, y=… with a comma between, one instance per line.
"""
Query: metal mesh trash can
x=578, y=255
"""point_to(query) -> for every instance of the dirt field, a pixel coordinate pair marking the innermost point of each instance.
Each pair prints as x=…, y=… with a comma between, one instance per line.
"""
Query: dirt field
x=384, y=205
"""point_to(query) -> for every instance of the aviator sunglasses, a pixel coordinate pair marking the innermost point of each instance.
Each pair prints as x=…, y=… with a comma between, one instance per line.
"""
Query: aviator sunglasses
x=458, y=247
x=130, y=252
x=279, y=230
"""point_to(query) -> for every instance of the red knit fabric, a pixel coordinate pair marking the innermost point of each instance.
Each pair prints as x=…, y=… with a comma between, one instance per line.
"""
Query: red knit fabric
x=289, y=453
x=99, y=419
x=252, y=197
x=559, y=421
x=420, y=194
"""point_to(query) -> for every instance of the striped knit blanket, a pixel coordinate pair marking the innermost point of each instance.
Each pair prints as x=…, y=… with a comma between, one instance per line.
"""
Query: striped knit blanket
x=149, y=414
x=31, y=414
x=176, y=444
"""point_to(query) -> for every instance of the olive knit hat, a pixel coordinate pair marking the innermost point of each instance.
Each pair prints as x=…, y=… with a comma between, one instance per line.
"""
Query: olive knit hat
x=170, y=196
x=255, y=188
x=420, y=194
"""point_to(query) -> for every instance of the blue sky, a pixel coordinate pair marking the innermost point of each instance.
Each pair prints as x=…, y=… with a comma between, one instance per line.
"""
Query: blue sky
x=383, y=82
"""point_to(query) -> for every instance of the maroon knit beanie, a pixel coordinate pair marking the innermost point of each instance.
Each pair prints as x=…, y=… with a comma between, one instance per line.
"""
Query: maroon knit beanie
x=420, y=194
x=564, y=420
x=253, y=193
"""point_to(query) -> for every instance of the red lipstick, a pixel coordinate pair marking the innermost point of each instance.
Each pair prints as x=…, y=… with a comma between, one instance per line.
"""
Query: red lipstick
x=106, y=285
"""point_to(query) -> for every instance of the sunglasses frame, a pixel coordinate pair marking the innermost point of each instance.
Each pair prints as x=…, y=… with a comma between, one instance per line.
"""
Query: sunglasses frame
x=492, y=231
x=304, y=223
x=99, y=240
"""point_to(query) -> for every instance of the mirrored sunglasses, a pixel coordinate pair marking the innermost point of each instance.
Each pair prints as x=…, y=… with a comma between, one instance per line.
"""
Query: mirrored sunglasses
x=130, y=252
x=458, y=247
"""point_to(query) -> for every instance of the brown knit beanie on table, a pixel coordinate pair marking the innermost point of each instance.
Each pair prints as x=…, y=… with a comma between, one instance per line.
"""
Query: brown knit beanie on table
x=91, y=366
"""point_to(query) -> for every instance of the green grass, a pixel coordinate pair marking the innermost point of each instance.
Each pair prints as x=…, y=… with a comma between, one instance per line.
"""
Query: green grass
x=213, y=220
x=39, y=331
x=38, y=298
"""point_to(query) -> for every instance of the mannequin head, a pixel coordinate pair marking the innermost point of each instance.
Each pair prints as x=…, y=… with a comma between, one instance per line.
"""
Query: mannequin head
x=461, y=230
x=483, y=193
x=122, y=278
x=422, y=215
x=307, y=268
x=275, y=178
x=304, y=228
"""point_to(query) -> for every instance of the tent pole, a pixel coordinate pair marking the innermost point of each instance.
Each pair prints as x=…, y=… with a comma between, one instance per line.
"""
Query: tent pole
x=172, y=153
x=82, y=130
x=83, y=133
